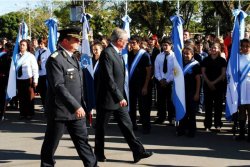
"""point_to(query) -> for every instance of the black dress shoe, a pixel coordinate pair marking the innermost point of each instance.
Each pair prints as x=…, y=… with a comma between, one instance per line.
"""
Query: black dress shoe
x=101, y=158
x=143, y=155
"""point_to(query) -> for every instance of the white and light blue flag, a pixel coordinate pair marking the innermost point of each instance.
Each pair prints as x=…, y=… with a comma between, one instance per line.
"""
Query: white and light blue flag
x=52, y=40
x=86, y=63
x=11, y=88
x=126, y=20
x=178, y=92
x=233, y=84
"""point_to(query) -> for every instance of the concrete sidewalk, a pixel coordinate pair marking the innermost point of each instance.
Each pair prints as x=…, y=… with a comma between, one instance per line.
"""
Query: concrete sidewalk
x=20, y=144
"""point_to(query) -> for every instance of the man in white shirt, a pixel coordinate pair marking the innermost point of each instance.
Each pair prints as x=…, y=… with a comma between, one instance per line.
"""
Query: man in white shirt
x=164, y=74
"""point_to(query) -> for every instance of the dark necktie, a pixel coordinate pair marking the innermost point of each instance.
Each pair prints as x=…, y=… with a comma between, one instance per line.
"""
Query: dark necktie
x=165, y=64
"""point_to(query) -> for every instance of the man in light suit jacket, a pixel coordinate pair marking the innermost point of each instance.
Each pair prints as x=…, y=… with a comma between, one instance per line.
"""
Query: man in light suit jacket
x=111, y=98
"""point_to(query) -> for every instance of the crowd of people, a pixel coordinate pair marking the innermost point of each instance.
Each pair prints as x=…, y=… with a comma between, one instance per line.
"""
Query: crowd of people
x=58, y=78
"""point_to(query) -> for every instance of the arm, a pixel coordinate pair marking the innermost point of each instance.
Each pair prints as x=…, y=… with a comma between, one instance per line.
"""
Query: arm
x=148, y=76
x=209, y=83
x=108, y=62
x=221, y=77
x=34, y=68
x=197, y=90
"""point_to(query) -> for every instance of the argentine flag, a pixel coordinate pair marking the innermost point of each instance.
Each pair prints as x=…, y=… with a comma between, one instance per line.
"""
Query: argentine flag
x=11, y=88
x=52, y=40
x=178, y=92
x=126, y=20
x=86, y=63
x=233, y=93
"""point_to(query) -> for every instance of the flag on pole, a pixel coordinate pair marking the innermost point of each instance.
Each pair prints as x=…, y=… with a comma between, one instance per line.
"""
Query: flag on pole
x=126, y=20
x=233, y=85
x=86, y=63
x=11, y=87
x=178, y=92
x=52, y=40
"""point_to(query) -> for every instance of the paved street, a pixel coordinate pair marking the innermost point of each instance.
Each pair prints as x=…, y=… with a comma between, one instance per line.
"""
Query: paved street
x=20, y=143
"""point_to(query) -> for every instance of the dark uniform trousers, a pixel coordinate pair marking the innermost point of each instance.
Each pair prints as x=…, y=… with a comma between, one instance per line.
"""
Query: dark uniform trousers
x=26, y=96
x=3, y=85
x=78, y=133
x=125, y=125
x=164, y=101
x=42, y=87
x=144, y=104
x=213, y=99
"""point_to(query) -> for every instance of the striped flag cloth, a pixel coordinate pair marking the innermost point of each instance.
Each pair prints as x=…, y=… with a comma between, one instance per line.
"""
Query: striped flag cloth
x=126, y=20
x=178, y=92
x=233, y=93
x=52, y=40
x=86, y=64
x=11, y=87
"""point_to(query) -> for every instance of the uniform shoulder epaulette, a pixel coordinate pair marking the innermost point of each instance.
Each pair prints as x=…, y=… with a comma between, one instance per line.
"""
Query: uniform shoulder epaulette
x=54, y=54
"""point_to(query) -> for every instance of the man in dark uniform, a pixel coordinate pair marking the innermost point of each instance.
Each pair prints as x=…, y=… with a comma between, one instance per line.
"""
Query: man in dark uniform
x=65, y=106
x=111, y=97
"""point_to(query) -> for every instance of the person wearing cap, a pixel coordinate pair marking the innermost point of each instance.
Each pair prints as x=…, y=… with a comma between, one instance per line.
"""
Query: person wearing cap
x=111, y=98
x=65, y=105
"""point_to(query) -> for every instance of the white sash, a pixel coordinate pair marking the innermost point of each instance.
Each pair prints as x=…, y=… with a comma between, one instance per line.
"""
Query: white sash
x=244, y=72
x=189, y=66
x=136, y=61
x=96, y=66
x=21, y=60
x=2, y=53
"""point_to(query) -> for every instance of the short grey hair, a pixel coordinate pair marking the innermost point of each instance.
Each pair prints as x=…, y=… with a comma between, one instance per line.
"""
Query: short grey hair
x=118, y=33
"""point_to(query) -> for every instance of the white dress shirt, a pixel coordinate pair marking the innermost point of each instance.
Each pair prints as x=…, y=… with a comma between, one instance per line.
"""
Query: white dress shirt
x=159, y=74
x=44, y=57
x=245, y=85
x=29, y=67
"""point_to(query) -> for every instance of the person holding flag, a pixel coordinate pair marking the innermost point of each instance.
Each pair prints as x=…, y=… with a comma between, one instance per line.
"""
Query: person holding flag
x=244, y=107
x=27, y=80
x=164, y=75
x=192, y=92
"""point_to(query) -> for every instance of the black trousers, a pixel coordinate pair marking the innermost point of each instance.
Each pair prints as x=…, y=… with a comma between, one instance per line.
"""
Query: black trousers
x=189, y=121
x=164, y=102
x=3, y=85
x=42, y=87
x=78, y=133
x=125, y=125
x=144, y=104
x=213, y=100
x=26, y=97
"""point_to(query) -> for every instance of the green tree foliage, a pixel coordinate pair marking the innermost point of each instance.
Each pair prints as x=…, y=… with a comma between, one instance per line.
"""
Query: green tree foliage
x=10, y=24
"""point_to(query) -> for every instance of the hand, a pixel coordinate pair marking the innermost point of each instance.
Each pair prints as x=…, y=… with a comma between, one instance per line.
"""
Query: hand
x=144, y=90
x=123, y=103
x=196, y=97
x=211, y=85
x=163, y=83
x=34, y=85
x=80, y=113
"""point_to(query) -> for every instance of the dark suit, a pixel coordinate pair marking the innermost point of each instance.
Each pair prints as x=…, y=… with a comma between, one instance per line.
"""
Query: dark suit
x=109, y=92
x=64, y=97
